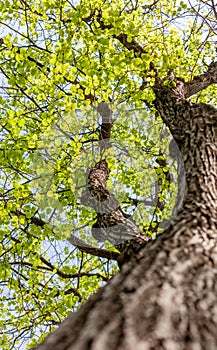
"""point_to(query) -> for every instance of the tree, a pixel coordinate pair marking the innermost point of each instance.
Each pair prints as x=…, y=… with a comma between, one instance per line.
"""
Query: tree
x=134, y=66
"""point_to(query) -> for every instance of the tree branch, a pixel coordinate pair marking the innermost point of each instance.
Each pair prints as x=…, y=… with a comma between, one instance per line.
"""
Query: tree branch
x=131, y=45
x=105, y=129
x=70, y=275
x=86, y=248
x=78, y=243
x=112, y=223
x=201, y=82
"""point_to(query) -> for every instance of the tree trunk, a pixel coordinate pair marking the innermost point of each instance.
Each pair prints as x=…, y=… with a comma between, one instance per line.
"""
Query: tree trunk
x=165, y=297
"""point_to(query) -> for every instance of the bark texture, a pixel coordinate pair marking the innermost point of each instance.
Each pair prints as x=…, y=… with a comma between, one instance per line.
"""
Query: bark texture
x=165, y=297
x=112, y=223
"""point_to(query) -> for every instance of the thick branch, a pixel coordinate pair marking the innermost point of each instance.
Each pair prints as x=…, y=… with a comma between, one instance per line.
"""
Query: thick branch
x=198, y=83
x=131, y=46
x=78, y=243
x=112, y=223
x=86, y=248
x=105, y=129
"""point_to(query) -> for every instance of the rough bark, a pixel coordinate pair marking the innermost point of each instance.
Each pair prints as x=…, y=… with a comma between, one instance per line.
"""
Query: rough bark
x=112, y=223
x=165, y=297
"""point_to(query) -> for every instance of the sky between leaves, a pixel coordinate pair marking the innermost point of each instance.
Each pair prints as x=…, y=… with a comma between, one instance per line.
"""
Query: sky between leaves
x=58, y=61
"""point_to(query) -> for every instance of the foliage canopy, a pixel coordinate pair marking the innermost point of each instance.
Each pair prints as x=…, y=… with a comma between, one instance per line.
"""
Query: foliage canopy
x=58, y=62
